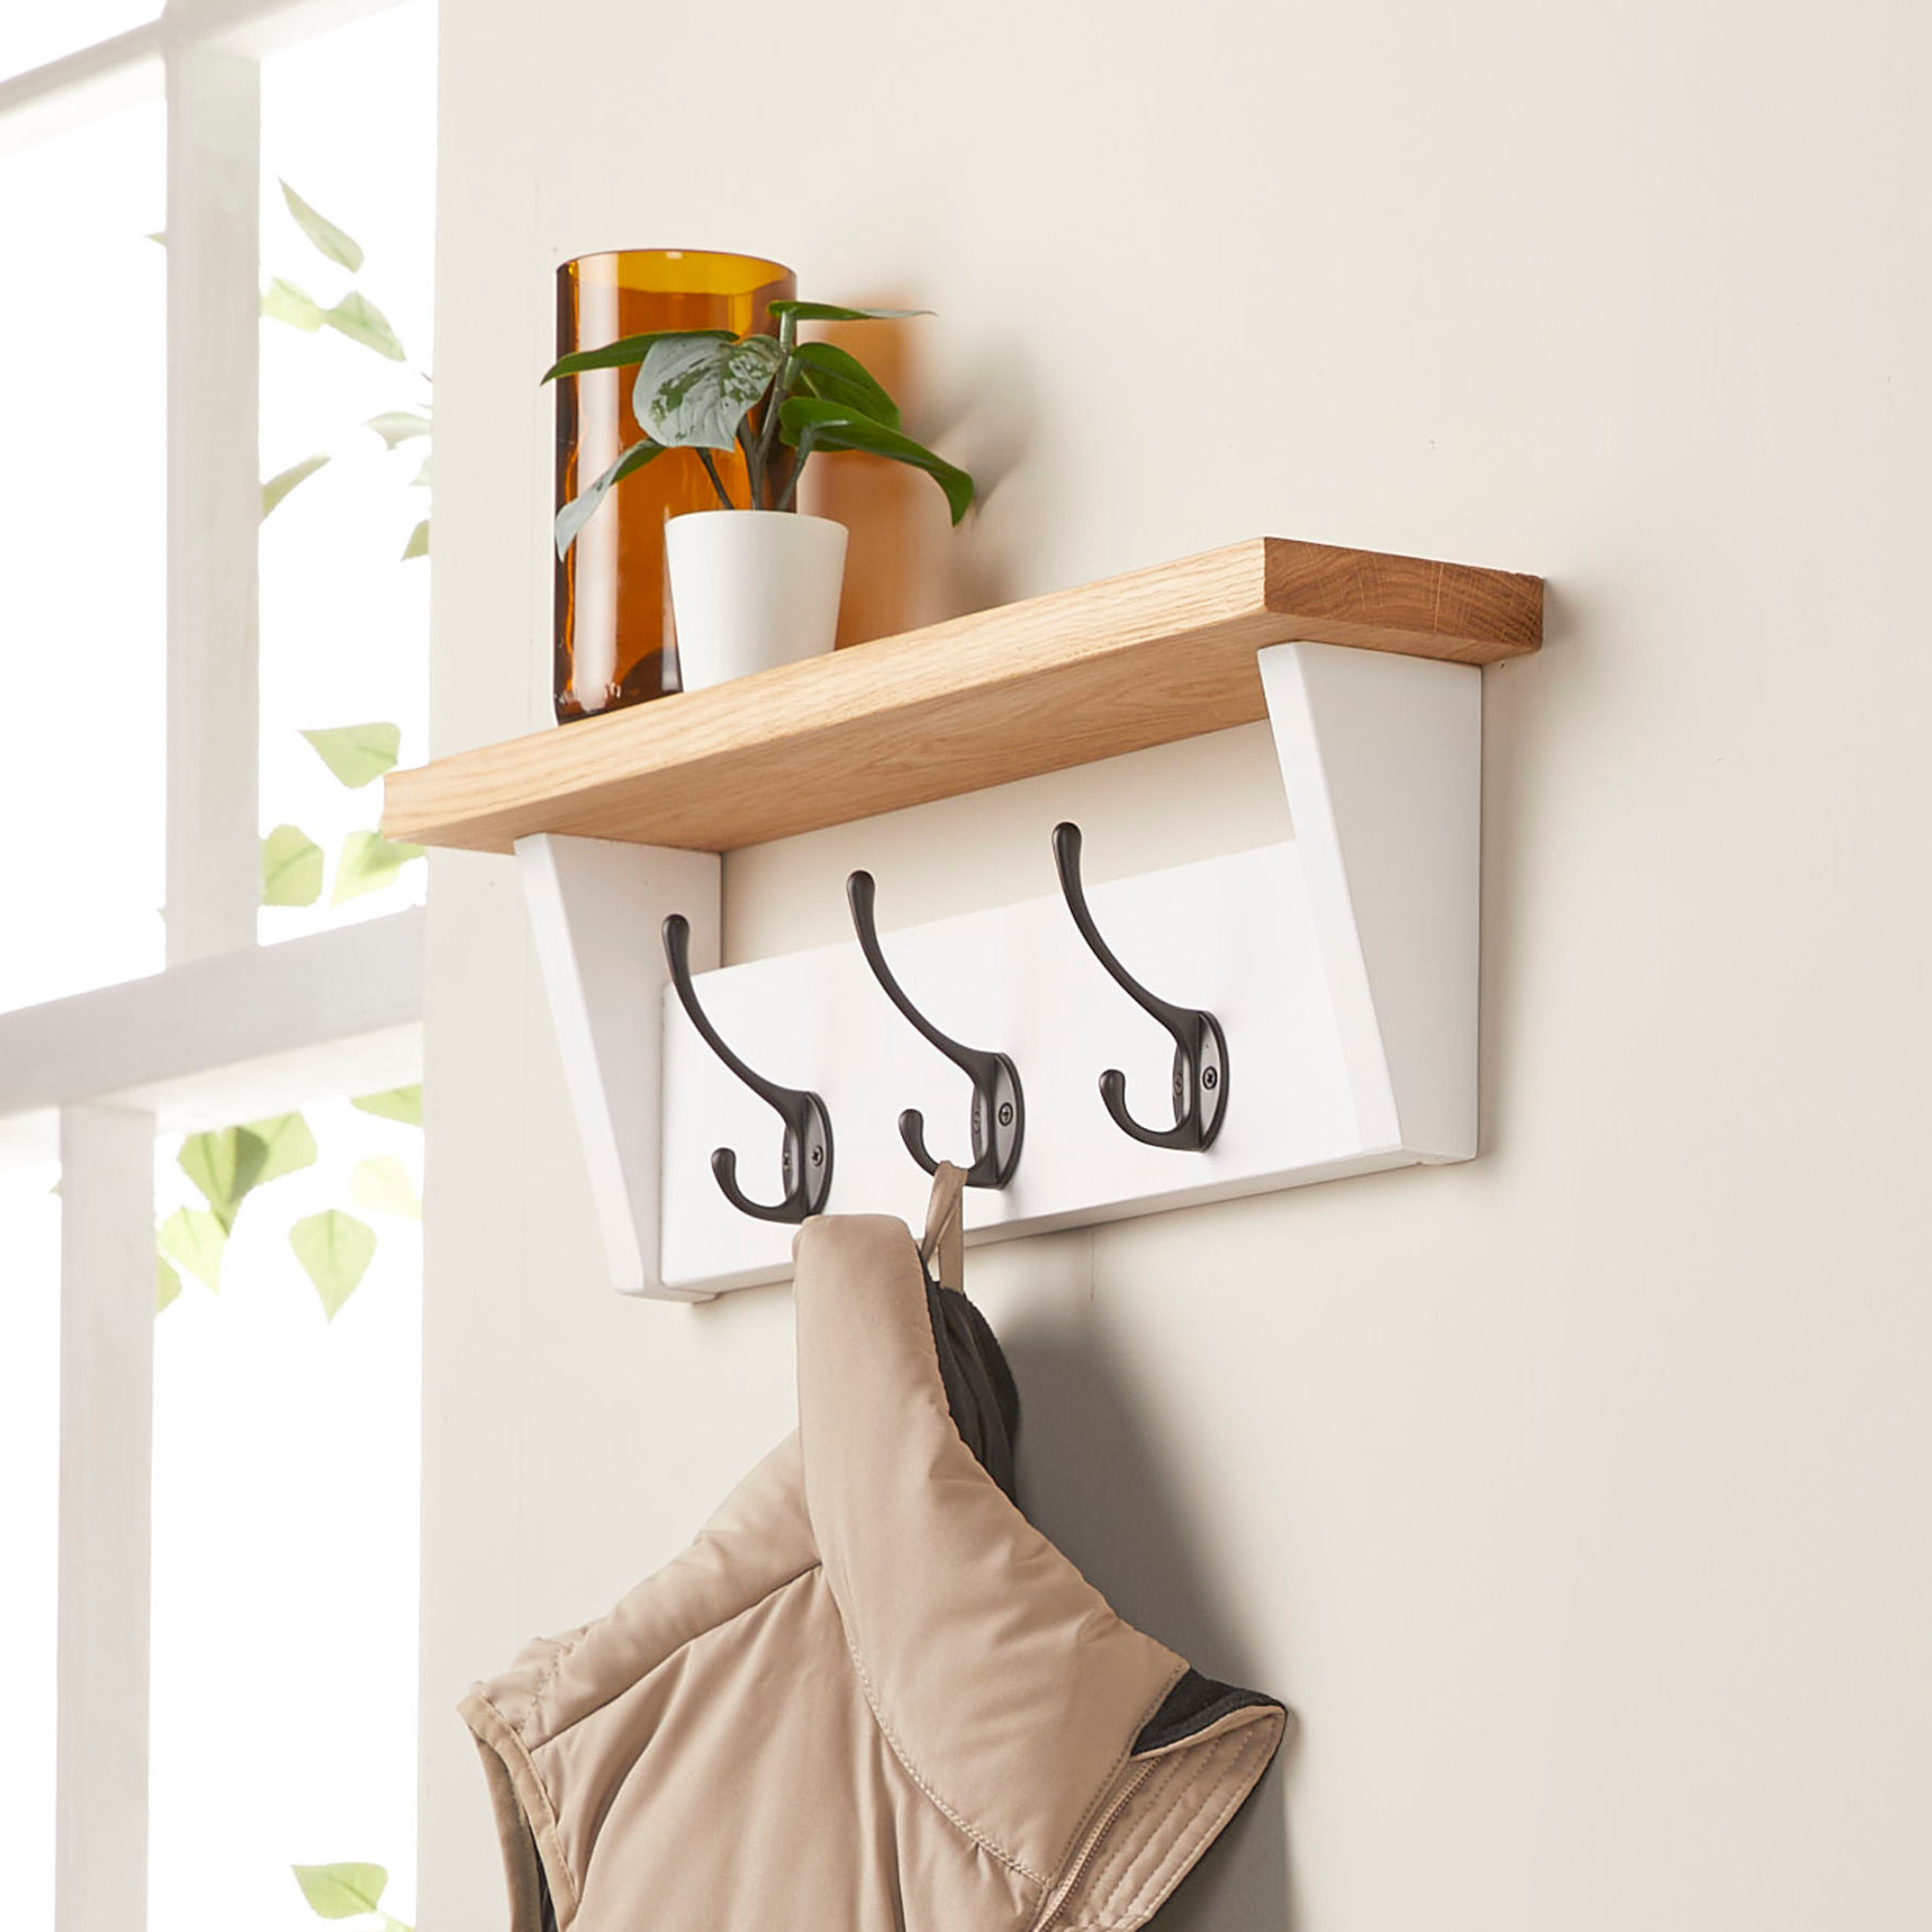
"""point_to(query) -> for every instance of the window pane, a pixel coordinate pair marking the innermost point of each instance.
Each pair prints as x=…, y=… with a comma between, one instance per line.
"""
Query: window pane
x=82, y=667
x=285, y=1550
x=29, y=1523
x=31, y=35
x=345, y=616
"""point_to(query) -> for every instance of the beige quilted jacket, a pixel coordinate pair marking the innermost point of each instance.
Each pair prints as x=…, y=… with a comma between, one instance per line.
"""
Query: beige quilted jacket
x=870, y=1696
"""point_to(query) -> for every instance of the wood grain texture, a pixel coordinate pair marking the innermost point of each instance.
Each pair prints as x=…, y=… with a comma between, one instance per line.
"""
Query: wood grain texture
x=1058, y=680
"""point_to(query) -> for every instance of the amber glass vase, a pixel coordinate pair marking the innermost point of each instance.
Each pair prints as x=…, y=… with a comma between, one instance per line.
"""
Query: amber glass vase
x=614, y=639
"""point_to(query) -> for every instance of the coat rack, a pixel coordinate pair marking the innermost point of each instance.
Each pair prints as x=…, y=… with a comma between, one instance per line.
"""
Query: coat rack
x=1310, y=1007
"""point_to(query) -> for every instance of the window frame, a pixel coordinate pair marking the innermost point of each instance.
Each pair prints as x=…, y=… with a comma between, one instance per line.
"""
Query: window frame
x=229, y=1029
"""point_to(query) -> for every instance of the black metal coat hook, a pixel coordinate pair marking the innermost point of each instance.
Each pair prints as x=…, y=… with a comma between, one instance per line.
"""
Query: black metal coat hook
x=998, y=1108
x=1200, y=1047
x=807, y=1160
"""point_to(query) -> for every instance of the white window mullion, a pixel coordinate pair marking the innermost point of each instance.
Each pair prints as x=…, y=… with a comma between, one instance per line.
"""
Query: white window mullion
x=213, y=852
x=106, y=1409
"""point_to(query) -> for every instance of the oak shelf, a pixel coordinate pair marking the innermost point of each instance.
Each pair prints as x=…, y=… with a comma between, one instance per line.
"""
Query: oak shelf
x=1060, y=680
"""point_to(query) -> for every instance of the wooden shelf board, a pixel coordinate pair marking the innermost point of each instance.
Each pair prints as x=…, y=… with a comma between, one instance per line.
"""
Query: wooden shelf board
x=1058, y=680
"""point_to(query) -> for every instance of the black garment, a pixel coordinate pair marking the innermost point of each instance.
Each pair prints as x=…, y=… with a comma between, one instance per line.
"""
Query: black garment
x=980, y=1388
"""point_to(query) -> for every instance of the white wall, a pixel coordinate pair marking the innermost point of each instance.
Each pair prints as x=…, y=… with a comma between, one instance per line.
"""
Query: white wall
x=1575, y=1498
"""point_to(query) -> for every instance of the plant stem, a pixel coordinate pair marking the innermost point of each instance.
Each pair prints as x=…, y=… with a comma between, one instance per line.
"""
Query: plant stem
x=797, y=470
x=775, y=400
x=755, y=468
x=717, y=481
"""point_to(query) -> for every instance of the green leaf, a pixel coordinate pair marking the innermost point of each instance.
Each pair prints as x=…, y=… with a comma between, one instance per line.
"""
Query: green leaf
x=357, y=317
x=807, y=424
x=394, y=1103
x=167, y=1285
x=341, y=1892
x=576, y=513
x=159, y=234
x=328, y=238
x=224, y=1164
x=290, y=868
x=396, y=426
x=629, y=349
x=369, y=862
x=290, y=1143
x=418, y=542
x=381, y=1183
x=357, y=753
x=828, y=372
x=789, y=314
x=692, y=396
x=195, y=1238
x=803, y=311
x=283, y=481
x=283, y=301
x=420, y=480
x=335, y=1250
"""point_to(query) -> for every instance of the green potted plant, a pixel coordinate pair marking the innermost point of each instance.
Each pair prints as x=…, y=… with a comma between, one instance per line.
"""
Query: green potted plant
x=753, y=583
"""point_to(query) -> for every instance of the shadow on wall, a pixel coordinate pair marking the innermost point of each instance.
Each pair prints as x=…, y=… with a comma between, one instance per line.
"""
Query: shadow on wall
x=985, y=418
x=906, y=565
x=1518, y=744
x=1087, y=1479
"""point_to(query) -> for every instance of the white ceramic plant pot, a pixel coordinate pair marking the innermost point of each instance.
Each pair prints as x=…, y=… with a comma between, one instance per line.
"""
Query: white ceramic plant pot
x=751, y=589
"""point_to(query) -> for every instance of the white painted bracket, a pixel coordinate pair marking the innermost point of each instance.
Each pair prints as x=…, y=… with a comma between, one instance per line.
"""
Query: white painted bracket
x=1343, y=967
x=596, y=908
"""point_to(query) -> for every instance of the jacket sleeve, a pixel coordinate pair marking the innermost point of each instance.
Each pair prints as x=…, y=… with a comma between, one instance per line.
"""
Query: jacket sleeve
x=998, y=1676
